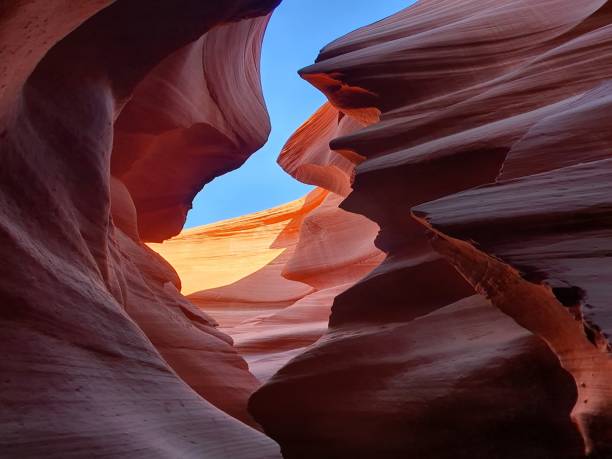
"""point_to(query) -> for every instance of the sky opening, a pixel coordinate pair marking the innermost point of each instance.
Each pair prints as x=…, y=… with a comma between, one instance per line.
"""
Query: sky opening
x=297, y=31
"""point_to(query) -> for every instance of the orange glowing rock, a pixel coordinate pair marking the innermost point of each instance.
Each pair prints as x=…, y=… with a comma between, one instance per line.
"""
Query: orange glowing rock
x=442, y=294
x=270, y=278
x=219, y=254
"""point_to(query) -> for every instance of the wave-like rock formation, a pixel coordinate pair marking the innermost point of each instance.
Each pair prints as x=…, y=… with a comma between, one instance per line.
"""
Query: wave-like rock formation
x=442, y=293
x=272, y=276
x=197, y=115
x=112, y=116
x=241, y=261
x=483, y=333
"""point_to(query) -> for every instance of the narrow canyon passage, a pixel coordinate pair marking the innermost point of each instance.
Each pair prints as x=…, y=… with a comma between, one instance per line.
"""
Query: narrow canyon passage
x=269, y=278
x=442, y=292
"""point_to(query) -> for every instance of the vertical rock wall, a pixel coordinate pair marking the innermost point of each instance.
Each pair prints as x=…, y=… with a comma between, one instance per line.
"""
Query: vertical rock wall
x=102, y=355
x=495, y=347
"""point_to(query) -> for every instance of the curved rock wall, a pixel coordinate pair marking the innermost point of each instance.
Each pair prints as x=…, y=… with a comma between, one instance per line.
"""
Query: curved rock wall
x=197, y=115
x=103, y=356
x=494, y=347
x=468, y=139
x=287, y=263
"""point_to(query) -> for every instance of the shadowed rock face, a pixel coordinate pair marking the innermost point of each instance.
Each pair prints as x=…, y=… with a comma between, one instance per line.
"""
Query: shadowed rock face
x=492, y=340
x=197, y=115
x=274, y=274
x=460, y=230
x=102, y=355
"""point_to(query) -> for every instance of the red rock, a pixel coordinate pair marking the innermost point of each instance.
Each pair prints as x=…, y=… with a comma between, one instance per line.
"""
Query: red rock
x=233, y=268
x=197, y=115
x=101, y=349
x=468, y=93
x=423, y=387
x=299, y=256
x=308, y=158
x=330, y=257
x=443, y=294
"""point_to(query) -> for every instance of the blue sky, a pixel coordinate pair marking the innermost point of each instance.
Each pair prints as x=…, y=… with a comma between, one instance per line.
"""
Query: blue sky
x=297, y=31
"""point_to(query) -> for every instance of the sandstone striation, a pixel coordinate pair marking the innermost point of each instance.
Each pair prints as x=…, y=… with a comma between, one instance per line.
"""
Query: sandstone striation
x=443, y=292
x=103, y=356
x=498, y=324
x=197, y=115
x=234, y=268
x=273, y=275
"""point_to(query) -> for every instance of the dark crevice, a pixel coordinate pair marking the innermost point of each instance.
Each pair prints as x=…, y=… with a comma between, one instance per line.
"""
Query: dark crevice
x=569, y=296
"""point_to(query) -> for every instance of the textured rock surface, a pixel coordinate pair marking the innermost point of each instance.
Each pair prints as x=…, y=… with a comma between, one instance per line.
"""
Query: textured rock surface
x=102, y=355
x=467, y=139
x=198, y=114
x=216, y=255
x=329, y=257
x=307, y=155
x=416, y=362
x=275, y=273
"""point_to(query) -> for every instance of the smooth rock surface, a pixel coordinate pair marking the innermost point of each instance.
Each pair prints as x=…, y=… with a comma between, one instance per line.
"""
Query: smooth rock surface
x=102, y=355
x=466, y=93
x=274, y=274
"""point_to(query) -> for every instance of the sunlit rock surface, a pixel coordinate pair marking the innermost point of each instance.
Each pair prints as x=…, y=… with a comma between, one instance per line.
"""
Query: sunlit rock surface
x=442, y=293
x=416, y=362
x=216, y=255
x=272, y=276
x=101, y=354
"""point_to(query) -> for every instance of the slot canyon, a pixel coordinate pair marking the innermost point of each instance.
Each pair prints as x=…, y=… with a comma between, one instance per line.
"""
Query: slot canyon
x=441, y=293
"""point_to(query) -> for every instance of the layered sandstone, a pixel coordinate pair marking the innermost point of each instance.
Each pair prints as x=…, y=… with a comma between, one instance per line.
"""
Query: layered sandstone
x=234, y=267
x=270, y=278
x=103, y=356
x=491, y=341
x=443, y=293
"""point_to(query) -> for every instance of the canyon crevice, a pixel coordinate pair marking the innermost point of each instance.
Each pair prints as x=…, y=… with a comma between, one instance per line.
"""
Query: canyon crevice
x=441, y=293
